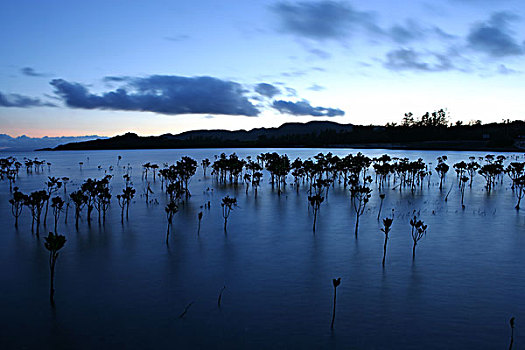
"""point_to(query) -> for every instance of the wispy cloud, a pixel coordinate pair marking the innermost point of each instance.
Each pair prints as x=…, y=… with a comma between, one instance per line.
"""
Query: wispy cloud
x=31, y=72
x=21, y=101
x=305, y=108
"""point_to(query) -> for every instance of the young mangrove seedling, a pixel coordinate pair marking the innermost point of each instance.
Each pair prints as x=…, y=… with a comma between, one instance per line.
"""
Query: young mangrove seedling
x=17, y=204
x=227, y=204
x=419, y=229
x=53, y=243
x=57, y=204
x=511, y=322
x=382, y=197
x=200, y=218
x=219, y=299
x=336, y=283
x=170, y=209
x=387, y=224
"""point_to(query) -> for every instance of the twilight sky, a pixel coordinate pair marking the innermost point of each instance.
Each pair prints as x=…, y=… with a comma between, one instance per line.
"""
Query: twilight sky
x=153, y=67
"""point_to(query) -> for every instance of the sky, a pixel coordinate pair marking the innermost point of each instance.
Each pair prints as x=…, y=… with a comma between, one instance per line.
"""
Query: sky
x=71, y=68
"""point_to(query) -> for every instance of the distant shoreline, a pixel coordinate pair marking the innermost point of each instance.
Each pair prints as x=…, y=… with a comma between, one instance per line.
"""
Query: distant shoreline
x=496, y=137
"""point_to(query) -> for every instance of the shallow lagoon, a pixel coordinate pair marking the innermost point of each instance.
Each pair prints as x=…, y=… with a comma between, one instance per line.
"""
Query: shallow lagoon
x=121, y=286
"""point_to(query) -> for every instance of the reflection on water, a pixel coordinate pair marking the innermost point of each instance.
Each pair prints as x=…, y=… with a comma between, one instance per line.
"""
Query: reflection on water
x=119, y=285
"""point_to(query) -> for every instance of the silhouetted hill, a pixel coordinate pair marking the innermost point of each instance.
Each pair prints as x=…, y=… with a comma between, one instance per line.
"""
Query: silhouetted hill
x=496, y=136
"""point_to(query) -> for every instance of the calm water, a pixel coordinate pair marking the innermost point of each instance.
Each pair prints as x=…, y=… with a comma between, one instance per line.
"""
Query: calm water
x=120, y=286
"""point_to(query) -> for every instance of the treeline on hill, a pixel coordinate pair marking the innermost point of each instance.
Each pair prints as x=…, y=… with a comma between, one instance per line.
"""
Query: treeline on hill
x=431, y=131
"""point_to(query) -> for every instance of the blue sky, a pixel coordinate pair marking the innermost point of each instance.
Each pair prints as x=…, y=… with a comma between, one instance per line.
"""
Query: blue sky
x=152, y=67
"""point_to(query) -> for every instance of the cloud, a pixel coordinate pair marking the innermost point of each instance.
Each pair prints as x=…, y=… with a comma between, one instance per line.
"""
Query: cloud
x=164, y=94
x=322, y=20
x=504, y=70
x=178, y=37
x=410, y=60
x=304, y=108
x=30, y=72
x=494, y=38
x=320, y=53
x=316, y=87
x=267, y=90
x=21, y=101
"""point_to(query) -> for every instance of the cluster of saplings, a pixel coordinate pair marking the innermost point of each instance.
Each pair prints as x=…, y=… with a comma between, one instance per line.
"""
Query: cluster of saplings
x=316, y=175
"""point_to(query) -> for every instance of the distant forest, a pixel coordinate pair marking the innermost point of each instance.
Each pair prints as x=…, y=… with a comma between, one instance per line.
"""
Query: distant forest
x=430, y=131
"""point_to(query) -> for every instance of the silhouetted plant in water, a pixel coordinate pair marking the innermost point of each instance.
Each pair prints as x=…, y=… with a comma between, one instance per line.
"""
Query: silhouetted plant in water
x=227, y=204
x=336, y=283
x=315, y=202
x=17, y=204
x=57, y=204
x=65, y=180
x=442, y=169
x=279, y=167
x=35, y=202
x=472, y=168
x=124, y=200
x=79, y=200
x=462, y=184
x=514, y=170
x=360, y=194
x=461, y=169
x=219, y=299
x=171, y=209
x=419, y=229
x=519, y=189
x=53, y=185
x=205, y=164
x=53, y=243
x=103, y=197
x=387, y=224
x=316, y=199
x=382, y=197
x=256, y=181
x=199, y=216
x=511, y=323
x=89, y=188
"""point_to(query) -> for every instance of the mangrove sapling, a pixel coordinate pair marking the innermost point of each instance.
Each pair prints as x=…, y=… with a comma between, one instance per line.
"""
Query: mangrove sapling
x=442, y=169
x=17, y=204
x=57, y=204
x=227, y=204
x=382, y=197
x=171, y=209
x=79, y=200
x=419, y=229
x=387, y=224
x=519, y=189
x=205, y=164
x=200, y=218
x=219, y=299
x=511, y=323
x=315, y=202
x=35, y=202
x=53, y=243
x=65, y=180
x=472, y=168
x=462, y=183
x=147, y=191
x=336, y=283
x=124, y=200
x=53, y=185
x=360, y=194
